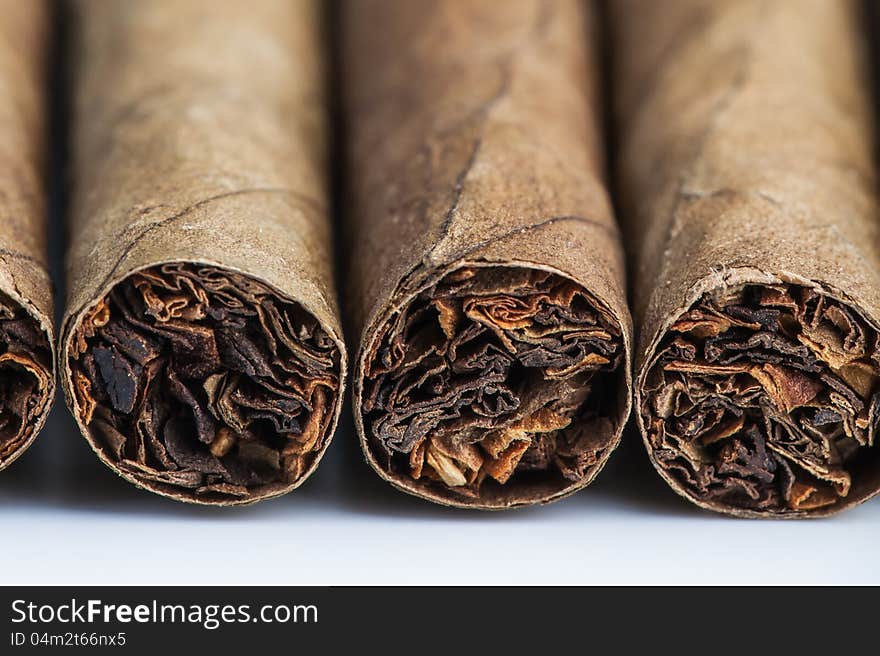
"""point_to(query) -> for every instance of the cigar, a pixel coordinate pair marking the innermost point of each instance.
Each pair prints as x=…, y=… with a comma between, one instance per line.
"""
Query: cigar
x=201, y=347
x=747, y=184
x=486, y=278
x=27, y=361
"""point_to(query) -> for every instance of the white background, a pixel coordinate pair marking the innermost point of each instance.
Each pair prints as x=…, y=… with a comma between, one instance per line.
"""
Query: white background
x=66, y=519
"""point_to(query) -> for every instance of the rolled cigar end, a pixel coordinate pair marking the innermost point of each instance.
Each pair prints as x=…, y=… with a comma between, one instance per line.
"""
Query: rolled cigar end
x=493, y=386
x=201, y=350
x=203, y=384
x=27, y=382
x=762, y=399
x=27, y=360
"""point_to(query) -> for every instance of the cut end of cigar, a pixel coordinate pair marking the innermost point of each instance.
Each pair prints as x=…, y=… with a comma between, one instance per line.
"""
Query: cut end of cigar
x=203, y=384
x=763, y=400
x=492, y=388
x=26, y=379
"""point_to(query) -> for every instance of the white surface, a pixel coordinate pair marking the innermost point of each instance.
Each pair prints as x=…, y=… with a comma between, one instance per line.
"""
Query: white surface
x=66, y=519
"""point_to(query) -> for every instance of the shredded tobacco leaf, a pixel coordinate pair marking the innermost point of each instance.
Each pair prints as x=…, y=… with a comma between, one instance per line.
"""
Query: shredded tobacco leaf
x=494, y=373
x=765, y=398
x=204, y=383
x=25, y=377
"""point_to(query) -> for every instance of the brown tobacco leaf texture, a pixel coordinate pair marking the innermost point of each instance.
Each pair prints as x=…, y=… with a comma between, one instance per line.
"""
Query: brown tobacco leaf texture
x=765, y=398
x=204, y=383
x=489, y=375
x=25, y=378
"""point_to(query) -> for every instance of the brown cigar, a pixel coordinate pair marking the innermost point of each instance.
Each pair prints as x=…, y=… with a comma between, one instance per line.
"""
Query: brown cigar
x=748, y=183
x=27, y=376
x=486, y=278
x=201, y=348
